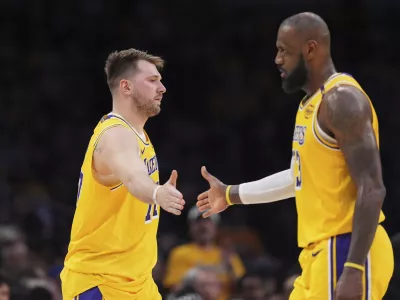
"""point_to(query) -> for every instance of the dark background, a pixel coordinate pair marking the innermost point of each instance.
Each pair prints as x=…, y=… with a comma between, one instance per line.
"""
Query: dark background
x=224, y=107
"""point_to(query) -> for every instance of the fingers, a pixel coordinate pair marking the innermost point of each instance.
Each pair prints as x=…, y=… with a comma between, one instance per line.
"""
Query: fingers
x=208, y=213
x=207, y=176
x=173, y=178
x=174, y=192
x=174, y=205
x=173, y=201
x=202, y=196
x=203, y=205
x=174, y=211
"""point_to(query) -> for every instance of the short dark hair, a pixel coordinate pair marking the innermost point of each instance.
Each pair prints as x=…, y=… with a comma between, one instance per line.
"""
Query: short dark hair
x=119, y=62
x=309, y=23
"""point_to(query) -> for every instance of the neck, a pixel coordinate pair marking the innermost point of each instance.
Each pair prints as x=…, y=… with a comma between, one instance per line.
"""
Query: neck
x=317, y=79
x=204, y=245
x=130, y=113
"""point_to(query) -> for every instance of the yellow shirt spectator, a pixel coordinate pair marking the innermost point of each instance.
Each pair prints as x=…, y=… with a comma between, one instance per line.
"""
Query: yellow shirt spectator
x=203, y=251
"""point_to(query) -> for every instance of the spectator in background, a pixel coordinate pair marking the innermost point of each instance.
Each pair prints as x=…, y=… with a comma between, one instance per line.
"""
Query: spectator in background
x=252, y=287
x=4, y=289
x=41, y=289
x=288, y=285
x=202, y=250
x=199, y=283
x=277, y=297
x=15, y=261
x=9, y=234
x=40, y=293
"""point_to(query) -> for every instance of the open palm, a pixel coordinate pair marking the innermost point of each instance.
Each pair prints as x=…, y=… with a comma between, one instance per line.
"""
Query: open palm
x=212, y=201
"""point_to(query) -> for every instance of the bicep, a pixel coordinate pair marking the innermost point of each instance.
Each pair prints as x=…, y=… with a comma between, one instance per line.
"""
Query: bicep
x=349, y=118
x=362, y=155
x=120, y=151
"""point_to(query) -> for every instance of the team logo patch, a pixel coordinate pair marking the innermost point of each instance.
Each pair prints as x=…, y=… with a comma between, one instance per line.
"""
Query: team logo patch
x=299, y=134
x=309, y=111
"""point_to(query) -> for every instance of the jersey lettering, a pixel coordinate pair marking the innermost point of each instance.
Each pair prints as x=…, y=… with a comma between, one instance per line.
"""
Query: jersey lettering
x=297, y=168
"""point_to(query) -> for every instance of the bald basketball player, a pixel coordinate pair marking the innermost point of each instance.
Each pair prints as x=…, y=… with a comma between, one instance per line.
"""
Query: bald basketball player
x=335, y=173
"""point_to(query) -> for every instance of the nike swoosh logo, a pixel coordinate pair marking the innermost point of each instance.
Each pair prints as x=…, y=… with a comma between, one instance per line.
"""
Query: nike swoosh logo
x=142, y=151
x=316, y=253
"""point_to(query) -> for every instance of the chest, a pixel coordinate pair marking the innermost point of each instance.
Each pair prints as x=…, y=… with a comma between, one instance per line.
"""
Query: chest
x=304, y=126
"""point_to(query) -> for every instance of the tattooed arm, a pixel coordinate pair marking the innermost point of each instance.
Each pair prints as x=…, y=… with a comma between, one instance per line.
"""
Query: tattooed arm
x=346, y=113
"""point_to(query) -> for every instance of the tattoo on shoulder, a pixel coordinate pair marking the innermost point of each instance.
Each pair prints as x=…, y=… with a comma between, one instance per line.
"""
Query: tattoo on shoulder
x=348, y=110
x=98, y=149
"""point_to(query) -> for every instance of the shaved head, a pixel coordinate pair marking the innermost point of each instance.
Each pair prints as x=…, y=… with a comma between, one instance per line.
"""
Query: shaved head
x=303, y=45
x=309, y=26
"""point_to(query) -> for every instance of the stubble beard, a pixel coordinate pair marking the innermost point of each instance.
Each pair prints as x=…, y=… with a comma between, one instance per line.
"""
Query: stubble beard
x=147, y=108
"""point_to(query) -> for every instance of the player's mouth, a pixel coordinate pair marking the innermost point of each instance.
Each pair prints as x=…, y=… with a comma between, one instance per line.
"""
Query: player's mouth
x=159, y=98
x=283, y=72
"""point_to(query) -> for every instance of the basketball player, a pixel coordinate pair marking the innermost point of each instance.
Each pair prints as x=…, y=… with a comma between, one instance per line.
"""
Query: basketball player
x=335, y=174
x=113, y=246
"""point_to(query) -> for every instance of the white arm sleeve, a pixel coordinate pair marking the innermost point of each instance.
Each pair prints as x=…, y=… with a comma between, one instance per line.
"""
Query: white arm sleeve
x=276, y=187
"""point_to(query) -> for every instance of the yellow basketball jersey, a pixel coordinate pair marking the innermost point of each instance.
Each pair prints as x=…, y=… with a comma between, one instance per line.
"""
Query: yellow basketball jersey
x=325, y=192
x=113, y=235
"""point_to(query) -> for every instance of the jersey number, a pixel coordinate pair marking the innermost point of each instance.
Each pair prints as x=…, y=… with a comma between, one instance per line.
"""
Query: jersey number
x=150, y=216
x=297, y=166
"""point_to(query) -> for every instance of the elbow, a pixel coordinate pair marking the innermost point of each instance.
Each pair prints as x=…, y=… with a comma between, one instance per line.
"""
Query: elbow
x=381, y=194
x=379, y=197
x=375, y=194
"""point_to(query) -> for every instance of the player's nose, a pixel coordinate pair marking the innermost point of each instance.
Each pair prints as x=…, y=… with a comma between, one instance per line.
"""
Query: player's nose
x=278, y=59
x=162, y=89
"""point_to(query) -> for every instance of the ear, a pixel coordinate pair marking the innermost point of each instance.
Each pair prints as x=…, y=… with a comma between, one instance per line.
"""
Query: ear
x=311, y=49
x=125, y=86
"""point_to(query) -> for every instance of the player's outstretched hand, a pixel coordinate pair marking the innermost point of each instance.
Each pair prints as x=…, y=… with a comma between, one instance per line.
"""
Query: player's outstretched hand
x=169, y=198
x=212, y=201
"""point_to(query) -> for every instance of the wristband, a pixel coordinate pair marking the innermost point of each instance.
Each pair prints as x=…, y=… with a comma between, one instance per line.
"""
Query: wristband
x=227, y=196
x=354, y=266
x=155, y=194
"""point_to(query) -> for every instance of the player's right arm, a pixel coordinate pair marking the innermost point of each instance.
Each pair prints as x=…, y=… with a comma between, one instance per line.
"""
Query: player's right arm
x=278, y=186
x=118, y=152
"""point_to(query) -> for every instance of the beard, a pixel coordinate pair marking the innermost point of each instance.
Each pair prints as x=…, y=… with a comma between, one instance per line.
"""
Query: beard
x=297, y=78
x=148, y=108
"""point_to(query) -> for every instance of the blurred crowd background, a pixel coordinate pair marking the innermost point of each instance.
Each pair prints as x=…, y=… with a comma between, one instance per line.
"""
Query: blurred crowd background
x=224, y=108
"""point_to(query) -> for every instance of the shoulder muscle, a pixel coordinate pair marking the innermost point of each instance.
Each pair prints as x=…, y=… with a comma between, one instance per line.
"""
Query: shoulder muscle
x=347, y=110
x=118, y=138
x=116, y=149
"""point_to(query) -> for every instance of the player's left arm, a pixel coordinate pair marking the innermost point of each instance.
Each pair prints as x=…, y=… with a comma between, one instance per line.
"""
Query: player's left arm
x=348, y=116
